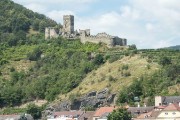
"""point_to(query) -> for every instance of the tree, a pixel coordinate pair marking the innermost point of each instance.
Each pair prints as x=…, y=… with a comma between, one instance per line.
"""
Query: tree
x=35, y=55
x=164, y=61
x=35, y=25
x=132, y=47
x=34, y=110
x=99, y=59
x=42, y=26
x=119, y=114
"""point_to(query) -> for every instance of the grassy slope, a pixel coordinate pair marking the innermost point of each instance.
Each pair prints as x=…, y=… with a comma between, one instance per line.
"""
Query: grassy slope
x=174, y=89
x=99, y=79
x=17, y=59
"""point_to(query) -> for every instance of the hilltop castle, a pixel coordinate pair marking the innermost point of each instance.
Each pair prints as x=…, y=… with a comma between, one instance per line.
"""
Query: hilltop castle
x=68, y=32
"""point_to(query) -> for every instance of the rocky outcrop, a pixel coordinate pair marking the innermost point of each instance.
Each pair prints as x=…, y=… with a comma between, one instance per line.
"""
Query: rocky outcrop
x=92, y=99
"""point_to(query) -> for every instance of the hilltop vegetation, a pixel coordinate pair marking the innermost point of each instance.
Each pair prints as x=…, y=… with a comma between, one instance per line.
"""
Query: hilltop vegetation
x=177, y=47
x=55, y=67
x=115, y=76
x=16, y=21
x=159, y=82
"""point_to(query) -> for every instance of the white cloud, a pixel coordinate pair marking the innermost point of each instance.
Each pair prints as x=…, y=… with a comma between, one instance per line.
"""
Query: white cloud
x=149, y=27
x=36, y=8
x=58, y=15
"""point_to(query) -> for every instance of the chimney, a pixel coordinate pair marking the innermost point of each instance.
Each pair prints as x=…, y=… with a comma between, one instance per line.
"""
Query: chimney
x=144, y=104
x=138, y=105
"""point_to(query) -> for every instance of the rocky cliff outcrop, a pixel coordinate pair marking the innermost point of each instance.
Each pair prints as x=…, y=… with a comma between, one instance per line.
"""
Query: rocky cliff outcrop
x=92, y=99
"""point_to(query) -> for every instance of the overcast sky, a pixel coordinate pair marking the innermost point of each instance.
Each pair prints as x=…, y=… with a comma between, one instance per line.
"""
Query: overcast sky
x=146, y=23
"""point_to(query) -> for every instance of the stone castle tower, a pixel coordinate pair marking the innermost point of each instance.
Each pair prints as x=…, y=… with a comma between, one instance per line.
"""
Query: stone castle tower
x=68, y=24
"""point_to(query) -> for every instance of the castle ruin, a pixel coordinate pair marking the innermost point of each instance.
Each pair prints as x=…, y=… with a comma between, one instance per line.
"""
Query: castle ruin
x=68, y=32
x=68, y=24
x=50, y=33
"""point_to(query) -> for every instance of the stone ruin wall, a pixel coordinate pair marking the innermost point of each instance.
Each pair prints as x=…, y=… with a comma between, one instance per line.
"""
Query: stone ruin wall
x=97, y=39
x=104, y=38
x=50, y=33
x=68, y=32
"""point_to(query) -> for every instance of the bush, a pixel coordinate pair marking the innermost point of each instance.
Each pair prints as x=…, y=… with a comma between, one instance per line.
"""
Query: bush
x=35, y=55
x=99, y=59
x=114, y=58
x=119, y=114
x=111, y=78
x=12, y=69
x=125, y=67
x=34, y=110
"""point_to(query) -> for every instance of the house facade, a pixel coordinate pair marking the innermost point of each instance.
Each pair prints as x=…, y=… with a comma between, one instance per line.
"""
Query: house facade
x=169, y=112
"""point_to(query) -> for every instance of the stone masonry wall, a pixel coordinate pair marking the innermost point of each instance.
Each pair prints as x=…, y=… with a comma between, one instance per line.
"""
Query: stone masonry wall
x=94, y=39
x=50, y=33
x=104, y=38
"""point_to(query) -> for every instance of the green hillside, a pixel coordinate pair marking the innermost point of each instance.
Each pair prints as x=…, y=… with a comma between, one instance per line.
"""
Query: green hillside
x=32, y=68
x=16, y=22
x=177, y=47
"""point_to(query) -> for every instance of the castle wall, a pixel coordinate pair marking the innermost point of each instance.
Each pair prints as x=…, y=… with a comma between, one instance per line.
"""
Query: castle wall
x=94, y=39
x=50, y=33
x=104, y=38
x=120, y=41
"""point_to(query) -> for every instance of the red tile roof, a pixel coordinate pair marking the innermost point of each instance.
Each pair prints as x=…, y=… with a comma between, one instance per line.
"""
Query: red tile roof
x=161, y=107
x=103, y=110
x=172, y=107
x=68, y=113
x=88, y=115
x=144, y=114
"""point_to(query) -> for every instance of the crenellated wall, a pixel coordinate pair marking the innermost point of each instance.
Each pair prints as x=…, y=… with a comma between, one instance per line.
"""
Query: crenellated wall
x=102, y=37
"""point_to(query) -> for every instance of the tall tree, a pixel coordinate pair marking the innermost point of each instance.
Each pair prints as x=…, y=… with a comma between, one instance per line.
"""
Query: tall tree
x=120, y=114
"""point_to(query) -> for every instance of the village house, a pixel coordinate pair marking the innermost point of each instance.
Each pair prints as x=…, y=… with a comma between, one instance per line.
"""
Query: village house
x=166, y=108
x=103, y=112
x=169, y=112
x=165, y=100
x=88, y=115
x=66, y=115
x=136, y=111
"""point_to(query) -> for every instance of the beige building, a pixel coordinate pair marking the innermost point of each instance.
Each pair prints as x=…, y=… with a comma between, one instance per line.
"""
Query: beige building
x=169, y=112
x=165, y=100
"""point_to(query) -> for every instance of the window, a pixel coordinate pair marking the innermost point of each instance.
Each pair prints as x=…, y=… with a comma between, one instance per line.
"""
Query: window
x=166, y=113
x=173, y=113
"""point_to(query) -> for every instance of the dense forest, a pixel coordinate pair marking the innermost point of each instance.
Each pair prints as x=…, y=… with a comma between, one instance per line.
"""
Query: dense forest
x=16, y=22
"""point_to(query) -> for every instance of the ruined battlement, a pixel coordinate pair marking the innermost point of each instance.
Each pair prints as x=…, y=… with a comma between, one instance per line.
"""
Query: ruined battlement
x=68, y=32
x=102, y=37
